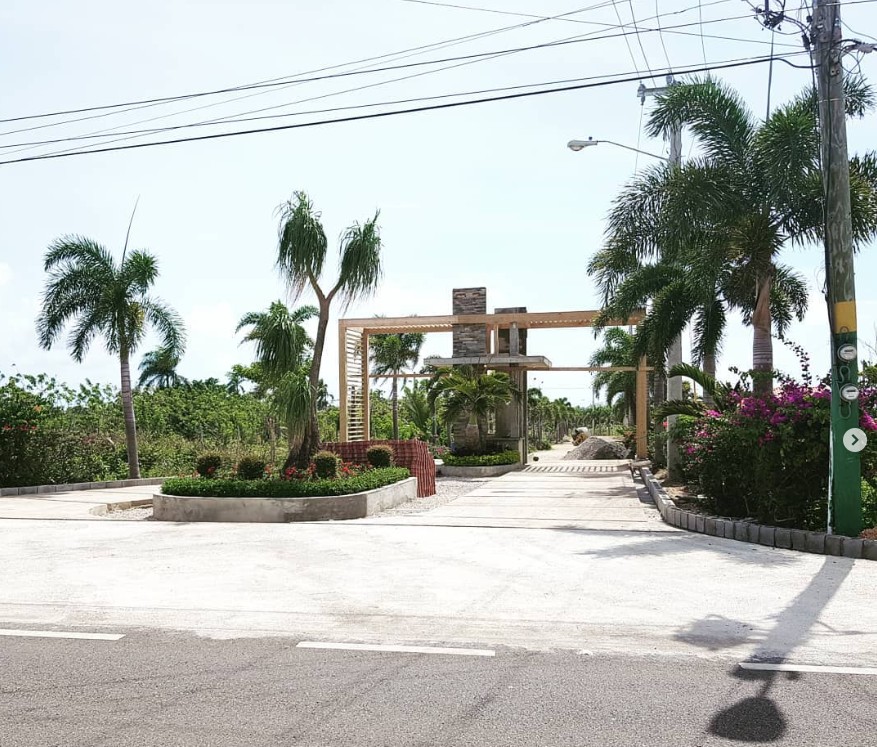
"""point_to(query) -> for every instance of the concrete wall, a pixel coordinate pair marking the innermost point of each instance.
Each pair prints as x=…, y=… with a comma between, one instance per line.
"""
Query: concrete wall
x=281, y=510
x=469, y=339
x=68, y=488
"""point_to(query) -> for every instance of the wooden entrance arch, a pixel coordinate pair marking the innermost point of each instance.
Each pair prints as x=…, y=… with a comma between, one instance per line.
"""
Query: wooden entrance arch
x=353, y=357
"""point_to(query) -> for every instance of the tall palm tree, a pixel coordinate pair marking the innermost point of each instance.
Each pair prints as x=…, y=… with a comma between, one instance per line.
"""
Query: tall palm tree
x=755, y=189
x=102, y=297
x=282, y=346
x=301, y=256
x=158, y=369
x=619, y=349
x=417, y=409
x=467, y=393
x=391, y=355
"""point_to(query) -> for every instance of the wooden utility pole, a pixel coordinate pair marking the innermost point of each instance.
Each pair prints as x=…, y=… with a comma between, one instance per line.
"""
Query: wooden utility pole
x=847, y=439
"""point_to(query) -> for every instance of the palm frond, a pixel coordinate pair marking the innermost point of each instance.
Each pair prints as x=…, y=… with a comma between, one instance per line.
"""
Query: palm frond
x=301, y=245
x=360, y=271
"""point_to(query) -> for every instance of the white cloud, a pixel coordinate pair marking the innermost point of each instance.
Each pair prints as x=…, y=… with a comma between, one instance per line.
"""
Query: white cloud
x=5, y=274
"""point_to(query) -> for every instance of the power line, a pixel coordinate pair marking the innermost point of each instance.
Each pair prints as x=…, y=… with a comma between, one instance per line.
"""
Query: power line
x=378, y=115
x=626, y=40
x=661, y=36
x=639, y=39
x=242, y=116
x=273, y=84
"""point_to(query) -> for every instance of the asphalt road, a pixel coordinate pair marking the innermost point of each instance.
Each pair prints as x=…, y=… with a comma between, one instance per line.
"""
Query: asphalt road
x=166, y=690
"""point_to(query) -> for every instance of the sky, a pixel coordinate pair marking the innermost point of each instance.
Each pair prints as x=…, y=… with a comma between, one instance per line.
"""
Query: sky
x=483, y=195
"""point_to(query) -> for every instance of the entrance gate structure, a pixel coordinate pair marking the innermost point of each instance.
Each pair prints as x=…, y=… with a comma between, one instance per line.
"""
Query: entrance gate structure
x=495, y=342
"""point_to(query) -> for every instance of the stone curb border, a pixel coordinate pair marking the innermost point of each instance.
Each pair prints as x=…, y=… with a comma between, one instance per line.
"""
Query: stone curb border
x=67, y=488
x=747, y=531
x=493, y=470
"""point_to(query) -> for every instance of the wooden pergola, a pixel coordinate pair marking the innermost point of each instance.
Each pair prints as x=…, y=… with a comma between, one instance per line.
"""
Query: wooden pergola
x=353, y=357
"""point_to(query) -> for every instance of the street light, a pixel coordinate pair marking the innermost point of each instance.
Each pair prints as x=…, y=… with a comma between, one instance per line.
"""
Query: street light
x=577, y=145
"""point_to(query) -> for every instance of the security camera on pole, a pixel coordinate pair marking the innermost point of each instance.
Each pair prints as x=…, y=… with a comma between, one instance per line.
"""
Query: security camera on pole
x=847, y=440
x=674, y=353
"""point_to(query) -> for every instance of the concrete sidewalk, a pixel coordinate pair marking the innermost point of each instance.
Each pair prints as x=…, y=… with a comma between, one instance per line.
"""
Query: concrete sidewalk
x=74, y=504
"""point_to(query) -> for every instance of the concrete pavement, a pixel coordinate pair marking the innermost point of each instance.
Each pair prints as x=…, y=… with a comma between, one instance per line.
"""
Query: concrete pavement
x=74, y=504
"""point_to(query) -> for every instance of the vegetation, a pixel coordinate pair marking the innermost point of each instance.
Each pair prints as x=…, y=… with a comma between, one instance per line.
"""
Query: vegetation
x=380, y=455
x=158, y=369
x=704, y=238
x=102, y=298
x=482, y=460
x=619, y=349
x=391, y=355
x=251, y=468
x=301, y=256
x=468, y=394
x=208, y=465
x=223, y=487
x=326, y=465
x=767, y=456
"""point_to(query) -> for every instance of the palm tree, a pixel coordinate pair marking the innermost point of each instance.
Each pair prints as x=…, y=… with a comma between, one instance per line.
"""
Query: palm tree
x=282, y=345
x=101, y=297
x=158, y=369
x=619, y=349
x=417, y=409
x=390, y=356
x=467, y=393
x=725, y=217
x=301, y=255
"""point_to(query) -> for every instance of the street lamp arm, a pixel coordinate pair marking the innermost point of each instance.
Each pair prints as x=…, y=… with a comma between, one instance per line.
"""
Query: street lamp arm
x=577, y=145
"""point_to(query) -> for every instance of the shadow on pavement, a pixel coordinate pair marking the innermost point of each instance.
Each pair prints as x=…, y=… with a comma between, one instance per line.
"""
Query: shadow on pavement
x=757, y=718
x=663, y=542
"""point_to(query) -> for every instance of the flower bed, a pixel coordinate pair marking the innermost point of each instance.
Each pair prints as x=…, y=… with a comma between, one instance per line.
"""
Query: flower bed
x=220, y=487
x=482, y=460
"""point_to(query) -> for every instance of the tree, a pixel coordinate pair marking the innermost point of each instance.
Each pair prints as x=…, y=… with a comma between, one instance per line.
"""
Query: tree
x=618, y=350
x=100, y=297
x=158, y=369
x=390, y=356
x=282, y=345
x=724, y=217
x=416, y=408
x=301, y=256
x=470, y=394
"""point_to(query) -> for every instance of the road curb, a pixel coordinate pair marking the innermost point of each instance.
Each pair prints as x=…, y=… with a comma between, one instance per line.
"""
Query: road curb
x=71, y=487
x=818, y=543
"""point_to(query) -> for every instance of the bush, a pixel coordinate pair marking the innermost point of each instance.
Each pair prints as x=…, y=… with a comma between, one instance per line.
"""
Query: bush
x=380, y=456
x=271, y=488
x=208, y=465
x=483, y=460
x=768, y=457
x=251, y=468
x=326, y=464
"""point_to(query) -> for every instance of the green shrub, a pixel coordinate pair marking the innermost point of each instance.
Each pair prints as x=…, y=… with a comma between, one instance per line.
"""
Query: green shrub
x=251, y=468
x=326, y=464
x=483, y=460
x=208, y=465
x=380, y=456
x=272, y=488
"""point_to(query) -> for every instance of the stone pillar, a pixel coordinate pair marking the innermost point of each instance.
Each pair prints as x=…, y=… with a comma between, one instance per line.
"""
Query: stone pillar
x=511, y=421
x=469, y=340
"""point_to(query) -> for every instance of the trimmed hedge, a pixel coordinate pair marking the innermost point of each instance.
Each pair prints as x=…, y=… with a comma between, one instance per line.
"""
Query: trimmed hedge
x=219, y=487
x=380, y=455
x=483, y=460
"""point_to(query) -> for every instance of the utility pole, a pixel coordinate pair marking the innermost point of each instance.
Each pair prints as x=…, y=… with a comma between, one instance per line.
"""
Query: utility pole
x=674, y=354
x=847, y=439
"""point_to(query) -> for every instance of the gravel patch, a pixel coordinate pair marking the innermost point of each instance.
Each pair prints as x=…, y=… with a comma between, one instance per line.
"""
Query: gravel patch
x=446, y=490
x=131, y=514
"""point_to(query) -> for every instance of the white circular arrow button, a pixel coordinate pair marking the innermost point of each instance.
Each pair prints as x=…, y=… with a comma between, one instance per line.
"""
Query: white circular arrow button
x=855, y=440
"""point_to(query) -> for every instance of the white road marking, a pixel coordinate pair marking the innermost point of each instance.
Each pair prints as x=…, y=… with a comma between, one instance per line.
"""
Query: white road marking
x=61, y=634
x=398, y=649
x=806, y=668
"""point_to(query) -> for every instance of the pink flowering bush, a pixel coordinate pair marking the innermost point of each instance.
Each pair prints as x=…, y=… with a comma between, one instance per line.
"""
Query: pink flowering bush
x=767, y=457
